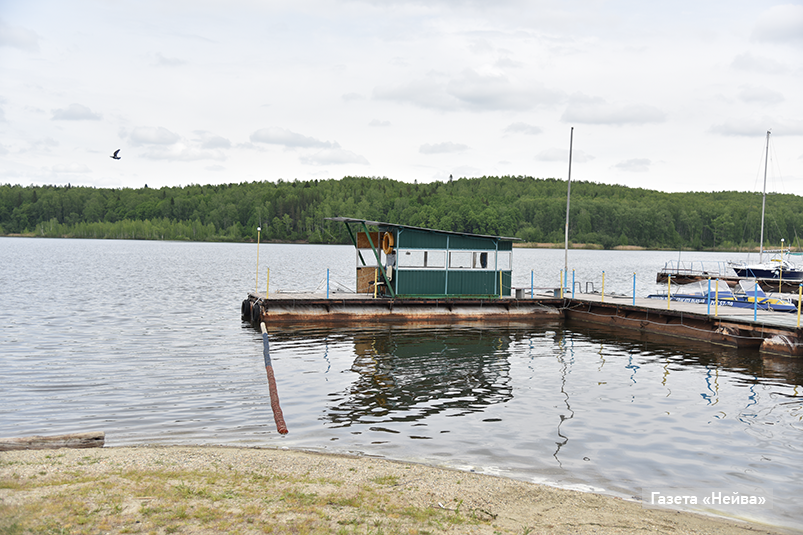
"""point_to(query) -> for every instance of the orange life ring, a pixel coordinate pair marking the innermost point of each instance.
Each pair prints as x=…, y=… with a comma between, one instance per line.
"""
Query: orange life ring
x=387, y=242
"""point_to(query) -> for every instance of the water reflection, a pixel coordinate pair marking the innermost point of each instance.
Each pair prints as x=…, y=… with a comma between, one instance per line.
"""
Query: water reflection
x=678, y=353
x=567, y=350
x=406, y=375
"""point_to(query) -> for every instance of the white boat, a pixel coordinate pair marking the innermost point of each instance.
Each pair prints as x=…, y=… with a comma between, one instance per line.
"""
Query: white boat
x=778, y=267
x=747, y=294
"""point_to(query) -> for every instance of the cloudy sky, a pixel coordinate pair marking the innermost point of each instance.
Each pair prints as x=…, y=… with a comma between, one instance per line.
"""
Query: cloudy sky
x=674, y=96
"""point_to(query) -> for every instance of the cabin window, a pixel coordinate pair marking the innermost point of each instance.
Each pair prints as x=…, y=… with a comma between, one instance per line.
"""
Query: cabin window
x=412, y=259
x=460, y=259
x=481, y=260
x=435, y=259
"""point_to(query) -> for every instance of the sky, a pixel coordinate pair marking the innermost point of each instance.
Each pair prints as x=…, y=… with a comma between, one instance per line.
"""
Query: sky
x=670, y=96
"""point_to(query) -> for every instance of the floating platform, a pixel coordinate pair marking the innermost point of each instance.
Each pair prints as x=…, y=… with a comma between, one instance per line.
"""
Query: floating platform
x=296, y=308
x=774, y=333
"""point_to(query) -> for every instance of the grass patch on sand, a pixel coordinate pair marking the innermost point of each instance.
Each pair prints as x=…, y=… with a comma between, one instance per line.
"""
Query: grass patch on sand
x=80, y=499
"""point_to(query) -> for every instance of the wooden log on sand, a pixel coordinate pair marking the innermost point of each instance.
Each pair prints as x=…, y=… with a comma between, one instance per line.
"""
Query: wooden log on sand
x=74, y=440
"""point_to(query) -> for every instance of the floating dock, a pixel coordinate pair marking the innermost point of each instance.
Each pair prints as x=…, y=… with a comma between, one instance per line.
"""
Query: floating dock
x=775, y=333
x=300, y=308
x=411, y=275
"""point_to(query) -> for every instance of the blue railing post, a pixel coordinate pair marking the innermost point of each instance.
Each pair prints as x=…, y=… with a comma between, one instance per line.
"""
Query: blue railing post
x=634, y=288
x=572, y=284
x=755, y=301
x=532, y=295
x=327, y=283
x=708, y=298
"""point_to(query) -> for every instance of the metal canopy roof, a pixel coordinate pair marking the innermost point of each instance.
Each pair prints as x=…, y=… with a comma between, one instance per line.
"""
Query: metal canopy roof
x=395, y=225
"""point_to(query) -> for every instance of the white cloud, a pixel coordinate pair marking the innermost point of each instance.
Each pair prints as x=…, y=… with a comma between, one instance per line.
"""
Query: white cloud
x=587, y=110
x=379, y=123
x=162, y=61
x=428, y=92
x=554, y=154
x=523, y=128
x=497, y=92
x=635, y=165
x=150, y=135
x=780, y=24
x=181, y=152
x=348, y=97
x=470, y=90
x=281, y=136
x=441, y=148
x=507, y=63
x=18, y=37
x=75, y=112
x=209, y=140
x=71, y=168
x=755, y=126
x=758, y=94
x=749, y=62
x=334, y=156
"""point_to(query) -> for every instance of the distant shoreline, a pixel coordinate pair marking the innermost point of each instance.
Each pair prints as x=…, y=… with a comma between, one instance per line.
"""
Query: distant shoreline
x=518, y=245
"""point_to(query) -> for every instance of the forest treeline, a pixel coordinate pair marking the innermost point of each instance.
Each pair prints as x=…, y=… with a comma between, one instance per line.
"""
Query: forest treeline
x=528, y=208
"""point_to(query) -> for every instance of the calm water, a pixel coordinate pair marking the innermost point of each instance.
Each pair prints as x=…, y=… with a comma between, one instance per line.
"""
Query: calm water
x=143, y=340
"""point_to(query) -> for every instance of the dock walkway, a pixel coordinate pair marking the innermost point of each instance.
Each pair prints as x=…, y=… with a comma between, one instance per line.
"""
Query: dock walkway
x=765, y=331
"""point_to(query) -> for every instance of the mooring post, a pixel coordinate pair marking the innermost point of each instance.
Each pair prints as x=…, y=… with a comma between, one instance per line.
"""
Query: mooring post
x=278, y=417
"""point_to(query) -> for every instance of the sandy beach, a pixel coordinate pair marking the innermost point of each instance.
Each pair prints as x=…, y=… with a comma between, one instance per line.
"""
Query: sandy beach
x=199, y=489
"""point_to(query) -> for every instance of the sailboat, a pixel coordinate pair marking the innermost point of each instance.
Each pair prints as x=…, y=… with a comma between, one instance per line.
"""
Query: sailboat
x=778, y=268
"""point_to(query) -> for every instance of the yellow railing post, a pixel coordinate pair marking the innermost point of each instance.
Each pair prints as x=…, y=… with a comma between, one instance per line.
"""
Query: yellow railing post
x=668, y=290
x=500, y=284
x=376, y=280
x=799, y=299
x=716, y=300
x=560, y=285
x=603, y=286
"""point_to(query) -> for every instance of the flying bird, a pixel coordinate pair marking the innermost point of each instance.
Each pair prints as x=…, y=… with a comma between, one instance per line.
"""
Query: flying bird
x=115, y=155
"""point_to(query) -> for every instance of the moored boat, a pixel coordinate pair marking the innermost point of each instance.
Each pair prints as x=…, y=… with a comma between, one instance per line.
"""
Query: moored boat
x=747, y=294
x=778, y=268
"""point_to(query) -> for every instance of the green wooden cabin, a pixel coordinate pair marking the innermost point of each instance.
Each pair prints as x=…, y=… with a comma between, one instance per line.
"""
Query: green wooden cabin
x=414, y=262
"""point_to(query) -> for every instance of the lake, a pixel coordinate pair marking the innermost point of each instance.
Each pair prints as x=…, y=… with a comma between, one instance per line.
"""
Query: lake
x=143, y=340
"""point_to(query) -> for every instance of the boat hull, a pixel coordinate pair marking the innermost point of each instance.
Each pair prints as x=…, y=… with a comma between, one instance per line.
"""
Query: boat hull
x=760, y=272
x=735, y=303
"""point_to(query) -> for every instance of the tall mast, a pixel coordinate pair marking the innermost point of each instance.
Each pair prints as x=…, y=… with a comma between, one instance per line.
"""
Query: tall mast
x=568, y=202
x=764, y=201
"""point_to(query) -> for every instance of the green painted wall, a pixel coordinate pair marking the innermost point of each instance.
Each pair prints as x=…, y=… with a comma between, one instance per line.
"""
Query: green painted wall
x=461, y=283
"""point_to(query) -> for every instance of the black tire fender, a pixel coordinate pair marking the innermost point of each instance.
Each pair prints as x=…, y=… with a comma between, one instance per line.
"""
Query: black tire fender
x=256, y=314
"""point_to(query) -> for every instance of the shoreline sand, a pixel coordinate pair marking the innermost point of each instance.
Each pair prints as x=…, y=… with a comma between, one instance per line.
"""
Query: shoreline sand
x=214, y=489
